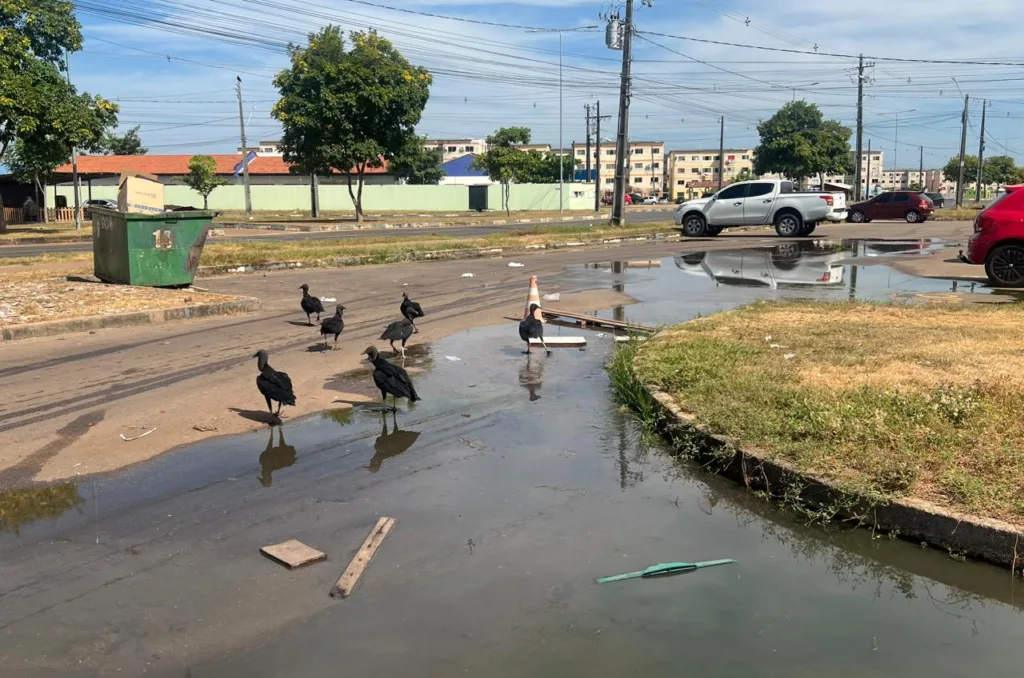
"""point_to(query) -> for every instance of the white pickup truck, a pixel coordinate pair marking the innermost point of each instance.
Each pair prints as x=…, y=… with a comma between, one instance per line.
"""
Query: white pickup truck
x=759, y=203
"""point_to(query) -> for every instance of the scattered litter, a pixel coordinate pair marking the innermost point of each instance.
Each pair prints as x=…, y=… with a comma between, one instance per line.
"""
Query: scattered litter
x=329, y=300
x=622, y=339
x=664, y=569
x=767, y=337
x=405, y=284
x=560, y=342
x=468, y=275
x=789, y=356
x=204, y=428
x=515, y=264
x=293, y=554
x=355, y=569
x=453, y=358
x=601, y=335
x=552, y=297
x=141, y=435
x=777, y=346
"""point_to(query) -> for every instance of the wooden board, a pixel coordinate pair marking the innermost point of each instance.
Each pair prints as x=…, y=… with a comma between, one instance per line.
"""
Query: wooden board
x=354, y=571
x=596, y=321
x=293, y=554
x=560, y=342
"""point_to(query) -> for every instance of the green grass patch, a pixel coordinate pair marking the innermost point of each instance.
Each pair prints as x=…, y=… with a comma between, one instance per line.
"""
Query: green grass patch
x=882, y=400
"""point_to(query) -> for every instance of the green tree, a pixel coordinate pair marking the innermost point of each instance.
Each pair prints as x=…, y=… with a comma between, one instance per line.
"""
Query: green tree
x=129, y=144
x=418, y=165
x=951, y=172
x=505, y=163
x=999, y=169
x=202, y=177
x=745, y=175
x=348, y=110
x=798, y=142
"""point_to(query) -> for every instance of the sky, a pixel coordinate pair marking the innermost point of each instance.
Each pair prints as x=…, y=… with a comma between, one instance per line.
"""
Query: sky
x=172, y=64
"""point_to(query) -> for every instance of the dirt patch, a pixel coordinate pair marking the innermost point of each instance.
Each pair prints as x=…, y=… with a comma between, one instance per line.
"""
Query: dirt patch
x=906, y=401
x=30, y=301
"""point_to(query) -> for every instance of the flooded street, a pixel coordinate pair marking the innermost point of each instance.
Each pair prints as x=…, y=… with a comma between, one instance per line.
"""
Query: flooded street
x=515, y=483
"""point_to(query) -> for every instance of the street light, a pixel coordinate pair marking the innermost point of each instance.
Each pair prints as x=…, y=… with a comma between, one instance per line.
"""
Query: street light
x=810, y=84
x=896, y=136
x=561, y=149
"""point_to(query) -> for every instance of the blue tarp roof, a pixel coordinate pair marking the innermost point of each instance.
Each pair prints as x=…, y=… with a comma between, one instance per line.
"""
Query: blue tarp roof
x=461, y=167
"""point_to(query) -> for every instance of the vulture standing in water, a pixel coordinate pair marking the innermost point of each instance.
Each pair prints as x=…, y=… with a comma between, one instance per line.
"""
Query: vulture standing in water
x=311, y=305
x=391, y=379
x=399, y=330
x=532, y=328
x=333, y=325
x=411, y=310
x=275, y=386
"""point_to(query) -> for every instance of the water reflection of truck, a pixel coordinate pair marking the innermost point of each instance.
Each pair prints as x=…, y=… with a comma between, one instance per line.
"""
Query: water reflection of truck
x=779, y=266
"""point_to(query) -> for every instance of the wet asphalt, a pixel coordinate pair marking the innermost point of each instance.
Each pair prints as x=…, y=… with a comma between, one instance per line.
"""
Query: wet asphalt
x=515, y=483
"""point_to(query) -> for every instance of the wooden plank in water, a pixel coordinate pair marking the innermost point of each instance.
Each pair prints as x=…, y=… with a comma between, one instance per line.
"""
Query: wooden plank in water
x=561, y=342
x=293, y=554
x=354, y=571
x=596, y=321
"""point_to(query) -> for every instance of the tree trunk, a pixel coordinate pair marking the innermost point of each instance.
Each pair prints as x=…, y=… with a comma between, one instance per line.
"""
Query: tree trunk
x=206, y=201
x=359, y=213
x=42, y=200
x=352, y=195
x=506, y=193
x=3, y=218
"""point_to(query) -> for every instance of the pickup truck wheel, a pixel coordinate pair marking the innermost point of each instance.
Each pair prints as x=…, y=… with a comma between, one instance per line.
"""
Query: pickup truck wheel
x=913, y=216
x=1004, y=266
x=788, y=225
x=809, y=228
x=712, y=230
x=694, y=226
x=858, y=217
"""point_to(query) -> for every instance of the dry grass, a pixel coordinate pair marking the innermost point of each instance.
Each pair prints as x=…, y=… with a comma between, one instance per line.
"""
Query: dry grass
x=409, y=216
x=38, y=300
x=966, y=213
x=891, y=400
x=15, y=234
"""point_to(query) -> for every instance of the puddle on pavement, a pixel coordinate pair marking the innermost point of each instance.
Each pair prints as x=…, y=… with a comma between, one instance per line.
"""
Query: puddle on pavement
x=516, y=482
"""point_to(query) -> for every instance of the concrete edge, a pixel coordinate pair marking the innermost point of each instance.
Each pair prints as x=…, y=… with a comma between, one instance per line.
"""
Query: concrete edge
x=376, y=225
x=136, y=318
x=433, y=255
x=915, y=520
x=42, y=241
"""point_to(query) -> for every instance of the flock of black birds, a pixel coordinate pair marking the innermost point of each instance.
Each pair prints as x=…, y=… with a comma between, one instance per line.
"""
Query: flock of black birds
x=392, y=380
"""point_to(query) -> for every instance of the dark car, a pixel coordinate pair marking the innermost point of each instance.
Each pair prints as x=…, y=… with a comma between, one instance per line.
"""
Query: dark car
x=937, y=199
x=106, y=204
x=912, y=206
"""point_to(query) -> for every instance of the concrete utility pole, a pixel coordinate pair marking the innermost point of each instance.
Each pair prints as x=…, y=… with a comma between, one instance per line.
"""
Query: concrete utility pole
x=587, y=108
x=963, y=152
x=981, y=153
x=622, y=137
x=74, y=165
x=245, y=149
x=867, y=185
x=721, y=152
x=314, y=195
x=597, y=158
x=860, y=132
x=920, y=171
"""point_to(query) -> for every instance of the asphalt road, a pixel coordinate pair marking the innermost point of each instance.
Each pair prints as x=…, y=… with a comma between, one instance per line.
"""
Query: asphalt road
x=10, y=251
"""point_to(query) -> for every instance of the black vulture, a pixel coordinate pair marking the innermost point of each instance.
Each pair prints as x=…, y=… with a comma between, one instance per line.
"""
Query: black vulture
x=532, y=328
x=311, y=305
x=391, y=379
x=411, y=310
x=400, y=329
x=275, y=386
x=333, y=325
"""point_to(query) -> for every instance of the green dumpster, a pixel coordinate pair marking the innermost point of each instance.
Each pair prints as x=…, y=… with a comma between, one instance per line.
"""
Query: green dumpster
x=151, y=250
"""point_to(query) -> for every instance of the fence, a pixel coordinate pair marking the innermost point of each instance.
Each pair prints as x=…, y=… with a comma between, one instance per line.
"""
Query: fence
x=16, y=215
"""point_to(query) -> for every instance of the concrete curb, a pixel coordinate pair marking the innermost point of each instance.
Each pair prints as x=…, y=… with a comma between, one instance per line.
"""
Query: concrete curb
x=915, y=520
x=43, y=241
x=387, y=226
x=434, y=255
x=99, y=322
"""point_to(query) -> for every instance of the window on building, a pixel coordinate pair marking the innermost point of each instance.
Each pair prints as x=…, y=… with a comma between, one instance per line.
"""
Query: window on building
x=638, y=180
x=707, y=158
x=657, y=165
x=695, y=171
x=731, y=157
x=582, y=152
x=638, y=151
x=681, y=170
x=693, y=158
x=610, y=180
x=717, y=158
x=610, y=166
x=680, y=182
x=638, y=165
x=745, y=157
x=610, y=151
x=654, y=180
x=452, y=149
x=716, y=170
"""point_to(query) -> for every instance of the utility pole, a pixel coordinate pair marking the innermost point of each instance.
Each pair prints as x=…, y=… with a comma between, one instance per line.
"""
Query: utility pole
x=587, y=108
x=920, y=171
x=721, y=151
x=314, y=195
x=245, y=148
x=860, y=133
x=597, y=158
x=981, y=153
x=622, y=137
x=867, y=185
x=963, y=152
x=74, y=164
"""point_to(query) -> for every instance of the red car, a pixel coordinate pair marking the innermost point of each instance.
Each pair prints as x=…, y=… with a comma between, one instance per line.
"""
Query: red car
x=910, y=205
x=998, y=240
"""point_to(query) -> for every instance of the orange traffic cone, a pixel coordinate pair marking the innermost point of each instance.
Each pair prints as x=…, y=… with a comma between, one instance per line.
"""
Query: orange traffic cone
x=533, y=298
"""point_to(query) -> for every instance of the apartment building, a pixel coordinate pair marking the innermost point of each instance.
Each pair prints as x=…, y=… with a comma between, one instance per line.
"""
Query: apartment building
x=646, y=164
x=456, y=148
x=694, y=171
x=873, y=164
x=893, y=180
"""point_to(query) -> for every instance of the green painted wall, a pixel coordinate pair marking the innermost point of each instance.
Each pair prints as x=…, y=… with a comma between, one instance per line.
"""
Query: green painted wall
x=523, y=197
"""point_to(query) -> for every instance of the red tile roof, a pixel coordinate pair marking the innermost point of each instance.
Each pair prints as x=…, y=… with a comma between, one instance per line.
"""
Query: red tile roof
x=176, y=165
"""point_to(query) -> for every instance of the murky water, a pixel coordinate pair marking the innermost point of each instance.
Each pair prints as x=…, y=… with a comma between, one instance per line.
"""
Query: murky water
x=516, y=482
